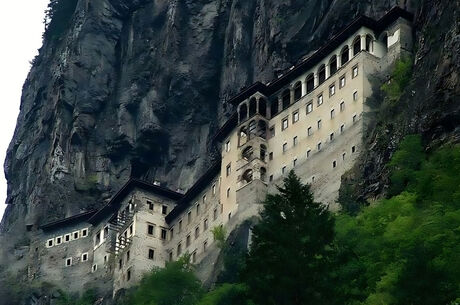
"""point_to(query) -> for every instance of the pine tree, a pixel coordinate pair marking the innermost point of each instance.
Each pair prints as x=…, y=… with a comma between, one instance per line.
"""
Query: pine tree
x=291, y=253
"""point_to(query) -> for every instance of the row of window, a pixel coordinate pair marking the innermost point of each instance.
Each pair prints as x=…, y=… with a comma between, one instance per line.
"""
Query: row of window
x=56, y=241
x=308, y=154
x=164, y=208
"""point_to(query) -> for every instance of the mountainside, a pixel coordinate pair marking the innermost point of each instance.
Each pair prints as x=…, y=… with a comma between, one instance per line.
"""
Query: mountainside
x=138, y=88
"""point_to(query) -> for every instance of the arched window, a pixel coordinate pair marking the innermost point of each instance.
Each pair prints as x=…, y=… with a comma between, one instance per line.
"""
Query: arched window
x=247, y=153
x=297, y=91
x=274, y=107
x=384, y=39
x=247, y=176
x=263, y=152
x=369, y=43
x=322, y=74
x=252, y=106
x=310, y=82
x=263, y=173
x=344, y=55
x=252, y=127
x=243, y=112
x=263, y=106
x=243, y=136
x=333, y=64
x=286, y=97
x=356, y=45
x=262, y=129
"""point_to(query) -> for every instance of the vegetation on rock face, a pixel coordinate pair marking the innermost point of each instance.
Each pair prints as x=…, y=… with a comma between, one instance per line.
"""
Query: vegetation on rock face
x=58, y=17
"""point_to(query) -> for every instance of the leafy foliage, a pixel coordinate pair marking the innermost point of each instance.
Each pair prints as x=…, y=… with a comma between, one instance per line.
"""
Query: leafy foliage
x=57, y=17
x=219, y=234
x=227, y=294
x=399, y=79
x=290, y=256
x=88, y=298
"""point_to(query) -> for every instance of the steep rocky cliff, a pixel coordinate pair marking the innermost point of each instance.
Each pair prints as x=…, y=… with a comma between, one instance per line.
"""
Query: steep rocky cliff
x=138, y=88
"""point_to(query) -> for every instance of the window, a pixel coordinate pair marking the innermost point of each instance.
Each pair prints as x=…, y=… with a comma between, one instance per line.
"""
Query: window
x=355, y=71
x=128, y=275
x=272, y=131
x=179, y=249
x=309, y=131
x=150, y=229
x=294, y=141
x=284, y=147
x=151, y=254
x=332, y=113
x=197, y=209
x=271, y=178
x=171, y=234
x=163, y=234
x=353, y=149
x=189, y=217
x=214, y=214
x=84, y=232
x=312, y=179
x=128, y=255
x=76, y=235
x=105, y=258
x=354, y=118
x=308, y=153
x=94, y=268
x=68, y=262
x=58, y=240
x=205, y=246
x=228, y=192
x=295, y=116
x=50, y=243
x=203, y=198
x=66, y=238
x=283, y=170
x=342, y=106
x=343, y=156
x=194, y=257
x=197, y=232
x=205, y=224
x=334, y=164
x=228, y=169
x=227, y=146
x=331, y=136
x=150, y=204
x=180, y=225
x=284, y=124
x=97, y=238
x=214, y=189
x=320, y=100
x=319, y=146
x=355, y=96
x=270, y=156
x=331, y=90
x=319, y=124
x=294, y=162
x=106, y=231
x=188, y=241
x=131, y=230
x=342, y=82
x=164, y=209
x=309, y=107
x=170, y=255
x=342, y=128
x=297, y=91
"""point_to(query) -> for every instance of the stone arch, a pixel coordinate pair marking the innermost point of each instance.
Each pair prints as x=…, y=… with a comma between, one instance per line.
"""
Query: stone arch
x=345, y=55
x=263, y=152
x=247, y=175
x=321, y=74
x=310, y=80
x=262, y=129
x=252, y=106
x=333, y=64
x=242, y=136
x=356, y=45
x=263, y=174
x=369, y=43
x=297, y=90
x=243, y=112
x=252, y=127
x=247, y=153
x=286, y=98
x=262, y=106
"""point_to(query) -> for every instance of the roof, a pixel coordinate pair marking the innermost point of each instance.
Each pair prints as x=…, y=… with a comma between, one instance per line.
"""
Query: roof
x=196, y=189
x=115, y=202
x=68, y=221
x=309, y=62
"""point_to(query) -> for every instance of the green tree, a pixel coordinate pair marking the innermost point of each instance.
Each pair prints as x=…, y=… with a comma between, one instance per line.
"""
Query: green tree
x=176, y=284
x=292, y=250
x=227, y=294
